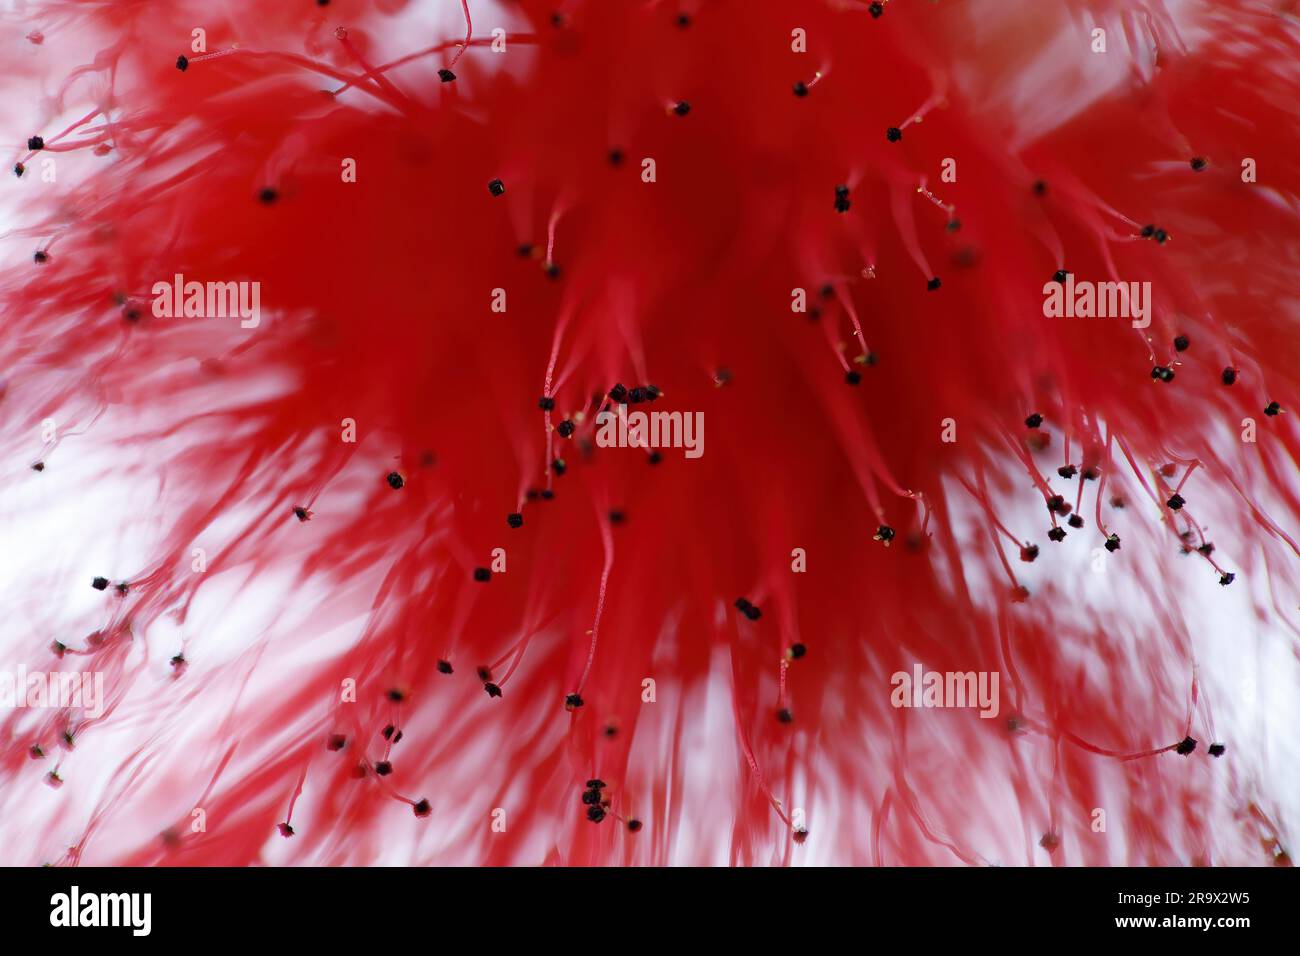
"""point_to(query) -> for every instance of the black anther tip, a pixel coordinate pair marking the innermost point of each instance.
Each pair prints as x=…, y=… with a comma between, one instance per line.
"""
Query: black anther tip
x=395, y=480
x=496, y=187
x=482, y=575
x=893, y=134
x=1034, y=420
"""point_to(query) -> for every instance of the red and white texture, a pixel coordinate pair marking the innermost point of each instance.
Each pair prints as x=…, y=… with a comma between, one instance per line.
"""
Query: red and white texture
x=176, y=434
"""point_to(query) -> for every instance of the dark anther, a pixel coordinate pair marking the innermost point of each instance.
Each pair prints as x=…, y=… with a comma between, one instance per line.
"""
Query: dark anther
x=1057, y=505
x=484, y=674
x=565, y=428
x=383, y=768
x=35, y=142
x=954, y=225
x=1272, y=409
x=784, y=715
x=853, y=377
x=1206, y=549
x=1060, y=276
x=652, y=392
x=444, y=667
x=1067, y=471
x=797, y=651
x=747, y=609
x=301, y=513
x=19, y=169
x=596, y=784
x=525, y=250
x=396, y=695
x=1182, y=343
x=1112, y=543
x=422, y=808
x=1161, y=236
x=1198, y=163
x=619, y=394
x=36, y=752
x=1216, y=750
x=99, y=584
x=1090, y=474
x=933, y=284
x=547, y=494
x=683, y=20
x=267, y=195
x=893, y=134
x=841, y=190
x=595, y=814
x=572, y=702
x=1056, y=534
x=633, y=825
x=515, y=520
x=1028, y=552
x=1034, y=420
x=496, y=187
x=1116, y=501
x=492, y=690
x=482, y=574
x=654, y=458
x=876, y=9
x=182, y=63
x=1162, y=372
x=337, y=742
x=285, y=830
x=39, y=466
x=842, y=204
x=1175, y=502
x=1148, y=232
x=446, y=75
x=1229, y=376
x=681, y=107
x=40, y=256
x=546, y=403
x=1075, y=521
x=801, y=88
x=1040, y=188
x=637, y=396
x=1227, y=578
x=395, y=480
x=557, y=19
x=617, y=517
x=591, y=798
x=388, y=732
x=559, y=467
x=884, y=533
x=800, y=834
x=616, y=157
x=1187, y=745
